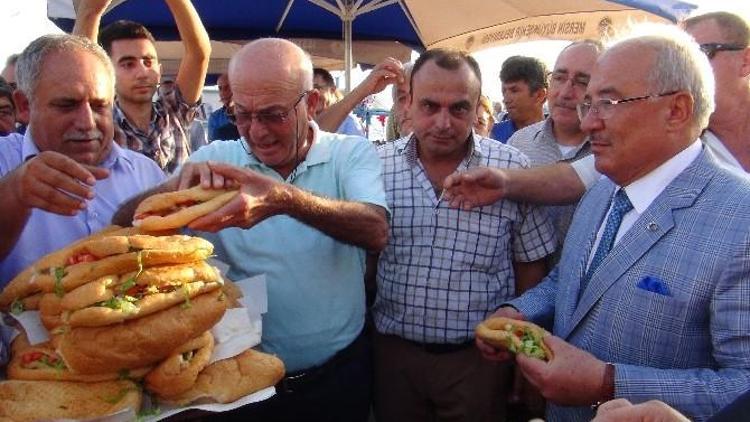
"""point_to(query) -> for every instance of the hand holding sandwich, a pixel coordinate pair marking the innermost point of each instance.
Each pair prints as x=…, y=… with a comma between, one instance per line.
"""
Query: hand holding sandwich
x=260, y=197
x=573, y=377
x=498, y=354
x=224, y=196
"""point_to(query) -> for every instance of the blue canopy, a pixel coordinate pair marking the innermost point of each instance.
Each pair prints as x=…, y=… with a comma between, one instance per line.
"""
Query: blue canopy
x=419, y=24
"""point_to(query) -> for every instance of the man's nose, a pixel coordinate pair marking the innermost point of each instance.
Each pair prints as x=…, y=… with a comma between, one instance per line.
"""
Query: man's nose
x=443, y=119
x=591, y=122
x=85, y=117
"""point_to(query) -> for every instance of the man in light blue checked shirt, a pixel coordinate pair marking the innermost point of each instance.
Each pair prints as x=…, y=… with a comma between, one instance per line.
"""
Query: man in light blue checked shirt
x=444, y=270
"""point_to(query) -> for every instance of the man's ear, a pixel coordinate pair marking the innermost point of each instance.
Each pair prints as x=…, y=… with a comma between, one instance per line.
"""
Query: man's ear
x=680, y=111
x=540, y=96
x=313, y=98
x=23, y=108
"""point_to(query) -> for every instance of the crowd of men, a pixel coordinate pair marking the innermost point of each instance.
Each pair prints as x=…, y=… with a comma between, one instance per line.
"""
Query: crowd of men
x=618, y=219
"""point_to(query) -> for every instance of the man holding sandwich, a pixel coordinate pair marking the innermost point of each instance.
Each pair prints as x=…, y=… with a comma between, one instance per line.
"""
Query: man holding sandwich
x=649, y=300
x=63, y=179
x=309, y=205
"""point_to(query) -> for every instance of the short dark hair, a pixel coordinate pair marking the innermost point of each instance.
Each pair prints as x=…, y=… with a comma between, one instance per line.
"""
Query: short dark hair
x=734, y=27
x=123, y=30
x=527, y=69
x=446, y=58
x=325, y=75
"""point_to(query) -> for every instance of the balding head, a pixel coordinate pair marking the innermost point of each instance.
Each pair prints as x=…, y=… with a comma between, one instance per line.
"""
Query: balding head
x=272, y=61
x=274, y=103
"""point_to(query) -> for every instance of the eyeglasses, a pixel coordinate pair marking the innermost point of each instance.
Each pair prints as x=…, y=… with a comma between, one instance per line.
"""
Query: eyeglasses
x=558, y=79
x=268, y=118
x=710, y=49
x=605, y=108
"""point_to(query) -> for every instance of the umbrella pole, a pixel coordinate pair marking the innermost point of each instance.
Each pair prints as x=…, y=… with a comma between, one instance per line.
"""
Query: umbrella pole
x=347, y=22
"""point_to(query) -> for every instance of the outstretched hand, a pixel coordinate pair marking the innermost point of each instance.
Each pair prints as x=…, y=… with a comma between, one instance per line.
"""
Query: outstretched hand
x=475, y=187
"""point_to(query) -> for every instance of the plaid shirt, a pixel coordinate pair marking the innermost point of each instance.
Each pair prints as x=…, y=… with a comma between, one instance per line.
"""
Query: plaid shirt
x=168, y=140
x=538, y=143
x=444, y=270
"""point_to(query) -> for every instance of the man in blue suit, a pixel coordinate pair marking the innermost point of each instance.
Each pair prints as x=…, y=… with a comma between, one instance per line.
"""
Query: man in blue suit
x=651, y=298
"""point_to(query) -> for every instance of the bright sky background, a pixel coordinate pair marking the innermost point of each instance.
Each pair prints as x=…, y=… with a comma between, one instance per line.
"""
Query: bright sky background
x=24, y=20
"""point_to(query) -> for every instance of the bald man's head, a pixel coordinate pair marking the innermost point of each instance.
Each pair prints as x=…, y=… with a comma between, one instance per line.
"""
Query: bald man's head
x=274, y=103
x=274, y=60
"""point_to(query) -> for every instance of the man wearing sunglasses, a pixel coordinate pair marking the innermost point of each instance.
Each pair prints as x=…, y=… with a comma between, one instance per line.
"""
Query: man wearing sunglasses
x=311, y=204
x=650, y=296
x=725, y=39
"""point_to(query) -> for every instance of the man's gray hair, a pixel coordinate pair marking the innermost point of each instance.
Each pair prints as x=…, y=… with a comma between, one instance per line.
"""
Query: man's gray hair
x=31, y=60
x=679, y=65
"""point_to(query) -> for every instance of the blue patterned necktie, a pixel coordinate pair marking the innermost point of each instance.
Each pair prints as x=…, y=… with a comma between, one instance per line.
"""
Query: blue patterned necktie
x=620, y=206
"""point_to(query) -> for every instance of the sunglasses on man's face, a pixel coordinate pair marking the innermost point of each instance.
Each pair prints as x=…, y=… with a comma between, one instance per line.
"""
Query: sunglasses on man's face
x=710, y=49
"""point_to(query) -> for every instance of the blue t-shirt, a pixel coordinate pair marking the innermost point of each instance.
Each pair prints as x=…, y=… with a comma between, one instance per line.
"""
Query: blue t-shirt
x=316, y=299
x=502, y=131
x=220, y=127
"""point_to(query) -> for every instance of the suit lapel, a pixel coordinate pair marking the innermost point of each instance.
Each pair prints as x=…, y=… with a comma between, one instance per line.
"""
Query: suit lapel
x=656, y=221
x=593, y=209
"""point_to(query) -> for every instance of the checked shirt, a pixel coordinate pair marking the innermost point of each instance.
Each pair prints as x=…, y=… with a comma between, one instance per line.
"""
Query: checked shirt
x=444, y=270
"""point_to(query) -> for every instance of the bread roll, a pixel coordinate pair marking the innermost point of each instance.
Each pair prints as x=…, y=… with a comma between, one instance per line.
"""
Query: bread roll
x=177, y=209
x=52, y=400
x=230, y=379
x=150, y=251
x=178, y=372
x=142, y=341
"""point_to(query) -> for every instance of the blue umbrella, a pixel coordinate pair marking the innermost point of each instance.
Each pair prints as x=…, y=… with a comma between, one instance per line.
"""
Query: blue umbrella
x=419, y=24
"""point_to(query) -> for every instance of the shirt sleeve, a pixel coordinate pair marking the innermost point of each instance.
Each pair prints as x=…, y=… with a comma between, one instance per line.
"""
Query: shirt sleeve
x=586, y=170
x=361, y=176
x=175, y=103
x=538, y=303
x=534, y=237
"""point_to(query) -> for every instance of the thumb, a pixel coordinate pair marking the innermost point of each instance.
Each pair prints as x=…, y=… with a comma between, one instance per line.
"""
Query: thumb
x=98, y=172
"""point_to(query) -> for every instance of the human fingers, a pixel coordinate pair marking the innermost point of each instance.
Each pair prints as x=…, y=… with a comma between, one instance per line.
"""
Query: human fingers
x=230, y=173
x=230, y=215
x=491, y=353
x=611, y=405
x=55, y=178
x=49, y=199
x=652, y=411
x=509, y=312
x=213, y=222
x=188, y=173
x=64, y=165
x=99, y=173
